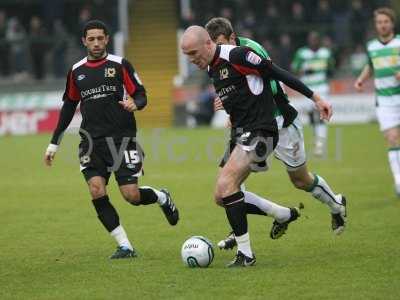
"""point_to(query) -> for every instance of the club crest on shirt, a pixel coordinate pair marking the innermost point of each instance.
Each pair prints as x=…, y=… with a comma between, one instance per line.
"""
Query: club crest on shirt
x=223, y=73
x=109, y=72
x=253, y=58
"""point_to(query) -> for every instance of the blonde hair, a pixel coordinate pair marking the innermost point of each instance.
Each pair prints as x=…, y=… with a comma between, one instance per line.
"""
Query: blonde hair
x=387, y=12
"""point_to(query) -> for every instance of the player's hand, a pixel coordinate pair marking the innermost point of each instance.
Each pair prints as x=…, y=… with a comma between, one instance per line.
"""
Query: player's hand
x=397, y=76
x=358, y=85
x=128, y=104
x=50, y=154
x=324, y=108
x=218, y=104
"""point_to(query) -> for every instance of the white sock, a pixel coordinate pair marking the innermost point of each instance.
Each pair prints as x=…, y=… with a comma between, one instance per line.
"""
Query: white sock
x=243, y=243
x=279, y=213
x=321, y=132
x=161, y=197
x=120, y=236
x=243, y=187
x=394, y=161
x=322, y=192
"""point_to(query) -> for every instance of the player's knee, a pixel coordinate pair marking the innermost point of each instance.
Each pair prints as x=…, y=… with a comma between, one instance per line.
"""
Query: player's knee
x=132, y=196
x=218, y=199
x=224, y=188
x=392, y=139
x=97, y=190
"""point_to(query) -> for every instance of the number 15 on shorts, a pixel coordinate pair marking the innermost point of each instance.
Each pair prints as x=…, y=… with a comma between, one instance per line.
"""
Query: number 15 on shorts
x=132, y=156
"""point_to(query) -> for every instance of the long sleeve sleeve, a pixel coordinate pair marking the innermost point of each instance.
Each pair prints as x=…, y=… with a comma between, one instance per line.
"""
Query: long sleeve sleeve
x=254, y=64
x=66, y=114
x=291, y=81
x=133, y=85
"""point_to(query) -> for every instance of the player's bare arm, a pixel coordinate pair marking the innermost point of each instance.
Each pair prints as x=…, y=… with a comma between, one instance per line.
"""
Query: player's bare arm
x=365, y=74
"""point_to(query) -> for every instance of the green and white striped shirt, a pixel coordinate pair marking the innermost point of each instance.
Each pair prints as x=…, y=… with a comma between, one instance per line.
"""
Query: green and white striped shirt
x=313, y=67
x=385, y=61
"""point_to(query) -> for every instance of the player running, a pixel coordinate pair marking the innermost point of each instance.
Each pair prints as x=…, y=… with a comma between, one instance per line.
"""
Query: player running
x=313, y=63
x=384, y=64
x=100, y=82
x=238, y=75
x=290, y=149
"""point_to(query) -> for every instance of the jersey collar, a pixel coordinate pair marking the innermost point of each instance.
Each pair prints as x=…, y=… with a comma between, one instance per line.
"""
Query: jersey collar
x=387, y=42
x=93, y=63
x=216, y=56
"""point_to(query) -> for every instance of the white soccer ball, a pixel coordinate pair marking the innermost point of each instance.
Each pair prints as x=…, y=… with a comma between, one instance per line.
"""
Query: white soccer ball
x=197, y=252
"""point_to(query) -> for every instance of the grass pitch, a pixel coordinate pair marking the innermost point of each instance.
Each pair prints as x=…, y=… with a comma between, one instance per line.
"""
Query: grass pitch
x=53, y=246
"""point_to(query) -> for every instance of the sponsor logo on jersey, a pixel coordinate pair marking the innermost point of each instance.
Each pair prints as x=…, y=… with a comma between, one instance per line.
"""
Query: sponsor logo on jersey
x=253, y=58
x=109, y=72
x=82, y=76
x=98, y=90
x=223, y=73
x=226, y=90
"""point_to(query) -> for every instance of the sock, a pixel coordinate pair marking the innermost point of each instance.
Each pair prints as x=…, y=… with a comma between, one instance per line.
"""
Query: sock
x=321, y=132
x=235, y=209
x=280, y=213
x=321, y=191
x=243, y=243
x=149, y=195
x=394, y=161
x=106, y=213
x=120, y=236
x=252, y=209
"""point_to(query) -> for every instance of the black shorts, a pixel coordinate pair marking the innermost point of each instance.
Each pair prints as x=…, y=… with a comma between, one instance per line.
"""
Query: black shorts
x=261, y=142
x=97, y=159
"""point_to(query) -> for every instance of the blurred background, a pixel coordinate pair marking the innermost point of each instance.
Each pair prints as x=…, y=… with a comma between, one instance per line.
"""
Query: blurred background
x=41, y=39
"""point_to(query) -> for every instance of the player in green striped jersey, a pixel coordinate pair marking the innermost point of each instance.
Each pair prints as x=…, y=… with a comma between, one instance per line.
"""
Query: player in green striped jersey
x=290, y=149
x=384, y=64
x=313, y=63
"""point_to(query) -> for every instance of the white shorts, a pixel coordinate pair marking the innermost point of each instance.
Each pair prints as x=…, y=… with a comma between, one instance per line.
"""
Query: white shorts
x=388, y=116
x=290, y=149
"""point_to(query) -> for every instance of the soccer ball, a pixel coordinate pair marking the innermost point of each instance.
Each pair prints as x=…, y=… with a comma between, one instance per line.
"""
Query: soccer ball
x=197, y=252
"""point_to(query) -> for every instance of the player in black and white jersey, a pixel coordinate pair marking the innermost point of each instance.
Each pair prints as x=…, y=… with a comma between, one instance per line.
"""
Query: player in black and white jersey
x=108, y=90
x=239, y=75
x=290, y=149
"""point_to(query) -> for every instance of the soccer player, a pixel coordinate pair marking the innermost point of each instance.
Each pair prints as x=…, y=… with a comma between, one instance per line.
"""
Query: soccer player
x=384, y=64
x=238, y=75
x=313, y=63
x=290, y=149
x=108, y=132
